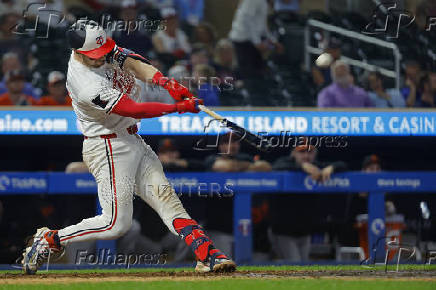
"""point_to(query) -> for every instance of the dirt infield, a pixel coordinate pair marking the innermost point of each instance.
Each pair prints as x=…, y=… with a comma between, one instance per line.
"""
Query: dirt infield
x=190, y=276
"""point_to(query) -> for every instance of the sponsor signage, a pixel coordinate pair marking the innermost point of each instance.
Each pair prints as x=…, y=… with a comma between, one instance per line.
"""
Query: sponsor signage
x=228, y=184
x=314, y=123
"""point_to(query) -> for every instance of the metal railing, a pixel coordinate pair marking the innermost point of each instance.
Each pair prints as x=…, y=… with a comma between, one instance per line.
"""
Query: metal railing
x=395, y=74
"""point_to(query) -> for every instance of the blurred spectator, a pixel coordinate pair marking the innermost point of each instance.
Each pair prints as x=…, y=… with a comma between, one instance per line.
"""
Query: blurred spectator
x=205, y=34
x=381, y=97
x=424, y=10
x=229, y=158
x=7, y=23
x=151, y=93
x=224, y=60
x=180, y=73
x=169, y=156
x=171, y=40
x=57, y=91
x=321, y=75
x=15, y=82
x=206, y=88
x=199, y=55
x=46, y=12
x=134, y=37
x=287, y=5
x=428, y=88
x=190, y=11
x=160, y=4
x=431, y=7
x=10, y=61
x=251, y=37
x=259, y=165
x=371, y=163
x=342, y=92
x=291, y=241
x=9, y=39
x=12, y=6
x=303, y=157
x=411, y=91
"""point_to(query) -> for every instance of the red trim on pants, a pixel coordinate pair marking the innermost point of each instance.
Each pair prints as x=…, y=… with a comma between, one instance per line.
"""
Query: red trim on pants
x=115, y=199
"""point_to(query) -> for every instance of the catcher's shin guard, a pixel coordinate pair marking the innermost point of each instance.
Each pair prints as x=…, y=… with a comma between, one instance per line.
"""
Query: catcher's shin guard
x=210, y=258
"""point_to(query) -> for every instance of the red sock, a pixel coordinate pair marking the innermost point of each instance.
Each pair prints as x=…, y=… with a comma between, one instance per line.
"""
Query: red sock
x=53, y=239
x=192, y=233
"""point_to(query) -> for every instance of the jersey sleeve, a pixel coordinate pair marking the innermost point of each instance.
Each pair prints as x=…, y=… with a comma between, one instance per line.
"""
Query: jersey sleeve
x=119, y=55
x=104, y=100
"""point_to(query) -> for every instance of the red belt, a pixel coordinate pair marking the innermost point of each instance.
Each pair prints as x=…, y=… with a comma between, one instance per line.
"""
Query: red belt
x=131, y=130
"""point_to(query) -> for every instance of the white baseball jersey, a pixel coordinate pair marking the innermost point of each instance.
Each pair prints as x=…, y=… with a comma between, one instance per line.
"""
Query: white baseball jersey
x=120, y=166
x=95, y=92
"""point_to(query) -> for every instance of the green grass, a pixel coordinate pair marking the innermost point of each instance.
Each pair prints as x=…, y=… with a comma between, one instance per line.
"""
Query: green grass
x=232, y=282
x=243, y=268
x=240, y=284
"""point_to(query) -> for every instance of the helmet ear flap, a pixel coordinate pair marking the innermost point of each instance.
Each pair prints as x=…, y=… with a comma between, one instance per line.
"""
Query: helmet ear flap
x=76, y=36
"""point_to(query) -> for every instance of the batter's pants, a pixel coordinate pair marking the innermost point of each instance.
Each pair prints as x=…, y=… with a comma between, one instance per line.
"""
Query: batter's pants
x=123, y=166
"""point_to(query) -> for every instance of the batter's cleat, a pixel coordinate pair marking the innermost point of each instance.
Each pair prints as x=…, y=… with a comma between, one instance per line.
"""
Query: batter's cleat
x=43, y=245
x=217, y=264
x=209, y=258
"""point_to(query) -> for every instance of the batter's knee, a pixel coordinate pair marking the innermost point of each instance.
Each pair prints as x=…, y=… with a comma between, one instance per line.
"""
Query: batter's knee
x=120, y=226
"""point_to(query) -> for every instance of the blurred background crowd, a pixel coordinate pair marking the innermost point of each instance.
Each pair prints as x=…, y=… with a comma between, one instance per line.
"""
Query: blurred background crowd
x=230, y=53
x=249, y=55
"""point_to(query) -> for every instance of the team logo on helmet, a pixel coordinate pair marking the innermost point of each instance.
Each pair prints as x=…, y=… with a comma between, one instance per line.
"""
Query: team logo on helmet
x=99, y=40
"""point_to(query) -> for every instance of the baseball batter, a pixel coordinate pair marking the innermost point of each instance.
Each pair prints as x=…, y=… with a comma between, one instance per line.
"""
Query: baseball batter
x=101, y=81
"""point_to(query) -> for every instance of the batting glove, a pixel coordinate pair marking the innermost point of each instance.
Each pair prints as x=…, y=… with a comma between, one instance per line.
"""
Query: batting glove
x=177, y=91
x=190, y=105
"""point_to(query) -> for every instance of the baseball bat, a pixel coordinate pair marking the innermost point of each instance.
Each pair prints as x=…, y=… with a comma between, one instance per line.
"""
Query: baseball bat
x=245, y=135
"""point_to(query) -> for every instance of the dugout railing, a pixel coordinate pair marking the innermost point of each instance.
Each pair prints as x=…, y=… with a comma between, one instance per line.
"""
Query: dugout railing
x=242, y=187
x=310, y=50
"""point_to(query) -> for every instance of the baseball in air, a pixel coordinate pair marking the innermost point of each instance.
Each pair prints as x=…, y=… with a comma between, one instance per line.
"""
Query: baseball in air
x=324, y=60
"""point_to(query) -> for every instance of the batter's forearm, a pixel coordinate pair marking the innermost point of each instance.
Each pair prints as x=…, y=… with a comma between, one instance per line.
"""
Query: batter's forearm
x=143, y=71
x=126, y=107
